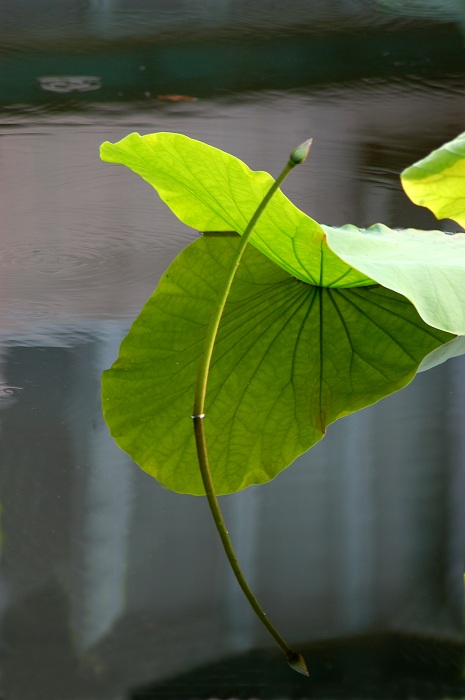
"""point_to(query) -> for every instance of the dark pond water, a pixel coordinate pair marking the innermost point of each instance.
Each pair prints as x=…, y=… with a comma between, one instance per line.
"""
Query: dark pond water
x=108, y=582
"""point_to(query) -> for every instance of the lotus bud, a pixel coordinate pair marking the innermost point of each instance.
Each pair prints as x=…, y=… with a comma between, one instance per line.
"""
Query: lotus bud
x=300, y=153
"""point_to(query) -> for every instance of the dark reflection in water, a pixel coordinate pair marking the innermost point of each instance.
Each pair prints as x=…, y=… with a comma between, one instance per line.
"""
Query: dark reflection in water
x=66, y=53
x=108, y=581
x=125, y=18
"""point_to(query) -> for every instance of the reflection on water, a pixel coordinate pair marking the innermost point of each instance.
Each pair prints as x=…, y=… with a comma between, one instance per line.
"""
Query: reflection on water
x=123, y=18
x=109, y=581
x=70, y=83
x=443, y=10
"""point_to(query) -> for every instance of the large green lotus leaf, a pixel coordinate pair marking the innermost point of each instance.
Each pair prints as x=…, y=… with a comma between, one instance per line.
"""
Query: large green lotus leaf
x=290, y=358
x=427, y=267
x=438, y=181
x=213, y=191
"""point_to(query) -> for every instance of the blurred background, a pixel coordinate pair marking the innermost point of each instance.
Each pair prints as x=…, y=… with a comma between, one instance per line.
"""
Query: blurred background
x=109, y=583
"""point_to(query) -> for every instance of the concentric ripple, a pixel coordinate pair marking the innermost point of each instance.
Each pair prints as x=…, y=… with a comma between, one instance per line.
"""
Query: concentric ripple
x=69, y=260
x=49, y=288
x=76, y=266
x=85, y=260
x=60, y=261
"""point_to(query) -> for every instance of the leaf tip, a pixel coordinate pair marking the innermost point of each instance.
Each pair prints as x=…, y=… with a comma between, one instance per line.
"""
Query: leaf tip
x=109, y=152
x=297, y=662
x=112, y=152
x=104, y=150
x=299, y=154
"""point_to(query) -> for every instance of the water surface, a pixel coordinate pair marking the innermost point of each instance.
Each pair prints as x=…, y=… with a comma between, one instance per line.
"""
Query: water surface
x=108, y=581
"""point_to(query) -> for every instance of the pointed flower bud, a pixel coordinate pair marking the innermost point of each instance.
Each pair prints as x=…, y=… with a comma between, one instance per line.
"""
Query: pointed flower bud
x=297, y=662
x=301, y=152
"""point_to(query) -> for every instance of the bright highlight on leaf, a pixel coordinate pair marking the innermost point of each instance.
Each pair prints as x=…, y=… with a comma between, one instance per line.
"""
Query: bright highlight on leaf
x=213, y=191
x=289, y=360
x=438, y=181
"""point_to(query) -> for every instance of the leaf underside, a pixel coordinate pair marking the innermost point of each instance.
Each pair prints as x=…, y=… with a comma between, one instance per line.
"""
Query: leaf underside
x=290, y=358
x=427, y=267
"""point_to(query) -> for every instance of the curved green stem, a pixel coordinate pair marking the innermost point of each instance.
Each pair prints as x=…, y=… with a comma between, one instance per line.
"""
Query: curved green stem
x=294, y=659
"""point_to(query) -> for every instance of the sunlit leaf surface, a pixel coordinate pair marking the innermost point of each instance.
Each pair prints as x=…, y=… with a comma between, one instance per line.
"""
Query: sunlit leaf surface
x=428, y=267
x=290, y=358
x=213, y=191
x=438, y=181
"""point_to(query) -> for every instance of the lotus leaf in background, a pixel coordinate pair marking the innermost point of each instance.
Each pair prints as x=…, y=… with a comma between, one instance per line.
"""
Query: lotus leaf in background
x=438, y=181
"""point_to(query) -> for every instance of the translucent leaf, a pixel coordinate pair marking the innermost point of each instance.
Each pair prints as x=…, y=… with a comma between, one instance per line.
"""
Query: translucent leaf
x=213, y=191
x=290, y=359
x=438, y=181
